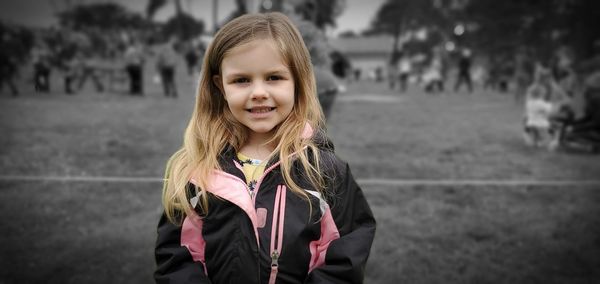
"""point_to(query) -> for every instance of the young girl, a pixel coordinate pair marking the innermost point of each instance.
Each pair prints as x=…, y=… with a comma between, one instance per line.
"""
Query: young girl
x=256, y=193
x=544, y=102
x=538, y=108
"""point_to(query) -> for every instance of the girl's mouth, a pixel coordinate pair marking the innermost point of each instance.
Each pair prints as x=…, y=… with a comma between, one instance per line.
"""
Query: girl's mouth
x=260, y=109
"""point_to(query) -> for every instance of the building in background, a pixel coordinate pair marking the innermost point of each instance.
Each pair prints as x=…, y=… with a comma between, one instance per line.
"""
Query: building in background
x=365, y=53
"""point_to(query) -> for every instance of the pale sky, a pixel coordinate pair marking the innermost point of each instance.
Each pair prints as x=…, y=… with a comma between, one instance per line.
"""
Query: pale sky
x=357, y=16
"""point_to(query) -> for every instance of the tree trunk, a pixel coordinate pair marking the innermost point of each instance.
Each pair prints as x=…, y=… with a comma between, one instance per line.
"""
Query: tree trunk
x=397, y=33
x=178, y=13
x=215, y=10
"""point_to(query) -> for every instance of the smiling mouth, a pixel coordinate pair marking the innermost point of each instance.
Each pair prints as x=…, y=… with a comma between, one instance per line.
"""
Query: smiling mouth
x=260, y=109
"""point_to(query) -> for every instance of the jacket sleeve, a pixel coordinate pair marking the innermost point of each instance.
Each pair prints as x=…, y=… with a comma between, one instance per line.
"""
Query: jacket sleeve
x=347, y=256
x=174, y=263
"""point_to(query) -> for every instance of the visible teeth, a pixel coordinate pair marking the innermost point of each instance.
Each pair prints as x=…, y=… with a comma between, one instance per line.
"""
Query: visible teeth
x=261, y=110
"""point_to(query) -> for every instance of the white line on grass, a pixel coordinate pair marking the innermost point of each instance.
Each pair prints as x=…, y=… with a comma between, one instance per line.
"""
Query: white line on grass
x=482, y=182
x=363, y=182
x=115, y=179
x=369, y=98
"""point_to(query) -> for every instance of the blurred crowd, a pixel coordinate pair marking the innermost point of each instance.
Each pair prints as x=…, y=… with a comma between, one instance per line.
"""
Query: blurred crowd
x=117, y=63
x=560, y=94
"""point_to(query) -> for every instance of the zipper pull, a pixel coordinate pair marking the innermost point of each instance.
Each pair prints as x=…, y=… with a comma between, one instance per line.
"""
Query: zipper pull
x=274, y=258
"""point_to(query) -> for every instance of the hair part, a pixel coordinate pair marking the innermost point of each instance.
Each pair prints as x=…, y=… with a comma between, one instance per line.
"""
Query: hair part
x=212, y=127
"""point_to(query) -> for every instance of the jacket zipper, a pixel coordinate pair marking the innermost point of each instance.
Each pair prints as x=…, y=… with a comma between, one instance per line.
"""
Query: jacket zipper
x=277, y=231
x=260, y=180
x=253, y=197
x=253, y=194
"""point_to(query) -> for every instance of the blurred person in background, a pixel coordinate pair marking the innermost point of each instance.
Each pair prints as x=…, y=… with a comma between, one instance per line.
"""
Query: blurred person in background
x=505, y=71
x=134, y=59
x=563, y=71
x=67, y=61
x=568, y=95
x=166, y=63
x=66, y=48
x=498, y=72
x=8, y=72
x=87, y=66
x=405, y=69
x=591, y=115
x=70, y=68
x=522, y=73
x=538, y=109
x=192, y=58
x=583, y=131
x=392, y=69
x=12, y=54
x=464, y=71
x=356, y=73
x=340, y=65
x=433, y=77
x=327, y=89
x=41, y=67
x=491, y=75
x=377, y=74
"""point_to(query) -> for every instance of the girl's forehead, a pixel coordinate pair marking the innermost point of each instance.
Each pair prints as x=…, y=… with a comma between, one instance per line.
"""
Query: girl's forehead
x=257, y=51
x=252, y=44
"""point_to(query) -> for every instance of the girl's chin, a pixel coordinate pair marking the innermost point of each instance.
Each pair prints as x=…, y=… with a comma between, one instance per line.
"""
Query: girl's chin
x=263, y=131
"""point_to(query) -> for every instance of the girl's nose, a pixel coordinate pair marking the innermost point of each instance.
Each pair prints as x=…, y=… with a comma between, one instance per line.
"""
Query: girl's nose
x=259, y=91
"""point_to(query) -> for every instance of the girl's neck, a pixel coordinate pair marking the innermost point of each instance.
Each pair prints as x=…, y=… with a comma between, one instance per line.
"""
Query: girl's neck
x=257, y=148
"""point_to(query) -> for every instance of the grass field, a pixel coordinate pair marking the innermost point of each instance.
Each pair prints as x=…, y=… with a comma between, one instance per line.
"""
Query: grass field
x=452, y=231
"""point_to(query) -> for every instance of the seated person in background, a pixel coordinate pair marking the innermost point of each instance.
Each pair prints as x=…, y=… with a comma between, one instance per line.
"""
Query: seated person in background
x=590, y=122
x=585, y=126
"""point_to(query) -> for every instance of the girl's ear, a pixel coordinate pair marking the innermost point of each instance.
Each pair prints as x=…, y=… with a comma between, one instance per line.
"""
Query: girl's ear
x=219, y=83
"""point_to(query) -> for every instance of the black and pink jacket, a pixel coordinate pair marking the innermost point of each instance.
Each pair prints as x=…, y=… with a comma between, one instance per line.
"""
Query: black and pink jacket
x=269, y=237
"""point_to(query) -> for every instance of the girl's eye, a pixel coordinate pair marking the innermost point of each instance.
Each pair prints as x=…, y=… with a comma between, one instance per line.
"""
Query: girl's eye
x=241, y=80
x=273, y=78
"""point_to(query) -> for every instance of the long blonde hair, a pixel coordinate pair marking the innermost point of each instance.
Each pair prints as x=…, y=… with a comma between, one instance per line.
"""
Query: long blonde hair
x=212, y=128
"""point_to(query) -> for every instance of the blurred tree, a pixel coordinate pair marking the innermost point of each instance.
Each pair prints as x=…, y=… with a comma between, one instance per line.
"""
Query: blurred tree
x=16, y=43
x=184, y=26
x=153, y=6
x=504, y=26
x=101, y=15
x=64, y=43
x=579, y=25
x=310, y=16
x=397, y=17
x=106, y=26
x=497, y=27
x=240, y=9
x=315, y=41
x=320, y=13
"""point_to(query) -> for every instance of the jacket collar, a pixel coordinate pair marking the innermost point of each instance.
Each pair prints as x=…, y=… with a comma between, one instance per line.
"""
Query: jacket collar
x=319, y=137
x=228, y=156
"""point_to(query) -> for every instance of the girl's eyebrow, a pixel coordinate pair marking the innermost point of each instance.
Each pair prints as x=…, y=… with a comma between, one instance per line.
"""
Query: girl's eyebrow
x=272, y=71
x=235, y=74
x=279, y=70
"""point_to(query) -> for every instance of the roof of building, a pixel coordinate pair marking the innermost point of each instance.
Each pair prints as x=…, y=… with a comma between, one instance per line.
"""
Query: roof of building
x=363, y=45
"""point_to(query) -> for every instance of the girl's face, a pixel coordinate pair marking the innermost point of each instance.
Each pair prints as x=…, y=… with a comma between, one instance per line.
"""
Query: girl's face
x=258, y=86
